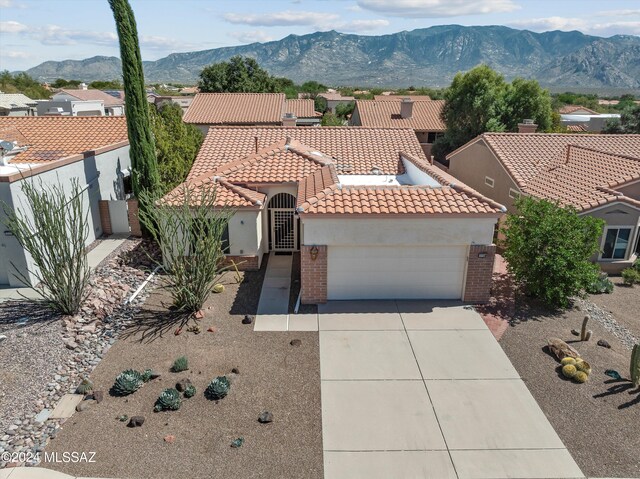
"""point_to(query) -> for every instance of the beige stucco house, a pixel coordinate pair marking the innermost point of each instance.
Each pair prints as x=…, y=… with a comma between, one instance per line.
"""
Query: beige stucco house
x=367, y=212
x=597, y=174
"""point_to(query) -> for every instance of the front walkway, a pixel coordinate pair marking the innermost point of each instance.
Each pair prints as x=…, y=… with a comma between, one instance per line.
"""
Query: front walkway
x=417, y=389
x=273, y=306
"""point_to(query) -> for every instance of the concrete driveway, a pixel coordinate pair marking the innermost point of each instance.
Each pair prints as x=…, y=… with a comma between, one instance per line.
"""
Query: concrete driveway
x=421, y=389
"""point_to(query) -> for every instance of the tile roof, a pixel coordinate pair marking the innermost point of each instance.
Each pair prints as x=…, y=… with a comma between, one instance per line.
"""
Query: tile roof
x=236, y=109
x=400, y=97
x=585, y=178
x=227, y=195
x=355, y=150
x=281, y=162
x=8, y=101
x=302, y=108
x=394, y=200
x=88, y=95
x=317, y=181
x=335, y=97
x=56, y=137
x=576, y=128
x=568, y=109
x=426, y=115
x=524, y=155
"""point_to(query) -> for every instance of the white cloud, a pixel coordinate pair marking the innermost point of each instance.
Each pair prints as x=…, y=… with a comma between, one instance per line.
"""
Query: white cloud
x=619, y=13
x=252, y=36
x=280, y=19
x=362, y=25
x=354, y=8
x=437, y=8
x=15, y=54
x=581, y=24
x=12, y=27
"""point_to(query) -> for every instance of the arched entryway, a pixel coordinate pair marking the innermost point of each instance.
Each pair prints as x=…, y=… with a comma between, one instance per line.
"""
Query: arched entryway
x=283, y=223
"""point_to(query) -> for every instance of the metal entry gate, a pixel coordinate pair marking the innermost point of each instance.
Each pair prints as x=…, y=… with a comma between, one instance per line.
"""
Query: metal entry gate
x=284, y=224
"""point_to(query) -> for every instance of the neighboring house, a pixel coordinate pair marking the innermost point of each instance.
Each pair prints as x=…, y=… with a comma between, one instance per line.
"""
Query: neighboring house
x=423, y=116
x=249, y=109
x=189, y=90
x=393, y=97
x=54, y=150
x=16, y=104
x=597, y=174
x=370, y=216
x=573, y=116
x=70, y=108
x=112, y=106
x=335, y=99
x=183, y=102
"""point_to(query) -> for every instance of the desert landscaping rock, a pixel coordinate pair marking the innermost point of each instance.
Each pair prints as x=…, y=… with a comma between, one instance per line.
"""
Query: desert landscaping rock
x=607, y=320
x=50, y=354
x=248, y=319
x=265, y=417
x=182, y=384
x=97, y=395
x=136, y=421
x=84, y=405
x=603, y=343
x=170, y=438
x=295, y=342
x=235, y=371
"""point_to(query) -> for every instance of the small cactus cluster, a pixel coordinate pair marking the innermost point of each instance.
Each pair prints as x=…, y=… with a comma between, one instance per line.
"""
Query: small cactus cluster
x=169, y=399
x=576, y=368
x=127, y=382
x=218, y=388
x=218, y=288
x=146, y=375
x=190, y=391
x=180, y=364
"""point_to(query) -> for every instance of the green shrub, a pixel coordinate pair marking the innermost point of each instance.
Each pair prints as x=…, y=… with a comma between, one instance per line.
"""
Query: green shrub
x=601, y=285
x=630, y=276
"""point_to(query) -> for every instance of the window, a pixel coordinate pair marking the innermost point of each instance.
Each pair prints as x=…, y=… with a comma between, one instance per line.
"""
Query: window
x=514, y=193
x=488, y=181
x=432, y=136
x=616, y=243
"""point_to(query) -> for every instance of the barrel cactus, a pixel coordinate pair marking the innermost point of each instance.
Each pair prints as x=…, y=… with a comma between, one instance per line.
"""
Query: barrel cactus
x=190, y=391
x=169, y=399
x=218, y=388
x=568, y=360
x=84, y=387
x=180, y=364
x=218, y=288
x=581, y=377
x=569, y=370
x=635, y=365
x=583, y=366
x=127, y=382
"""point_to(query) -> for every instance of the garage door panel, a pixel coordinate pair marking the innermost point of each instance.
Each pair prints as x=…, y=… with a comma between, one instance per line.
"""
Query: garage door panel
x=374, y=272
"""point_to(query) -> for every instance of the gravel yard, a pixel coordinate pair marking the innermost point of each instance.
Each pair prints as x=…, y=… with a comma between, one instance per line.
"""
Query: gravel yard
x=274, y=375
x=598, y=421
x=622, y=304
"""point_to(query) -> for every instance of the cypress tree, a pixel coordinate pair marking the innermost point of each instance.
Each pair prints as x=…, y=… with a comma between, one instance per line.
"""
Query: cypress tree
x=142, y=148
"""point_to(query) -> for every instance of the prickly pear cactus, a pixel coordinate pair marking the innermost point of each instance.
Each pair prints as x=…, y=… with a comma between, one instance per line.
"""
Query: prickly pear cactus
x=169, y=399
x=218, y=388
x=190, y=391
x=180, y=364
x=635, y=365
x=127, y=382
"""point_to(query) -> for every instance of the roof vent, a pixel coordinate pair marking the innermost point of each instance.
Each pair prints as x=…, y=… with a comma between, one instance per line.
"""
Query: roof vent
x=375, y=170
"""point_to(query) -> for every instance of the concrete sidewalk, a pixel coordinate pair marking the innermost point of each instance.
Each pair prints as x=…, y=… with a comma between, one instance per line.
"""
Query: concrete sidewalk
x=422, y=389
x=273, y=306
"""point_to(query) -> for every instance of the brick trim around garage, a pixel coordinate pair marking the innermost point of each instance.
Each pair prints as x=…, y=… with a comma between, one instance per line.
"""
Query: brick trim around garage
x=243, y=262
x=313, y=274
x=479, y=273
x=105, y=217
x=134, y=222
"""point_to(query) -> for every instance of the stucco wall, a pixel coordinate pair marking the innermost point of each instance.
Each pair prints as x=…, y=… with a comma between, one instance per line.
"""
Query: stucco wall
x=393, y=231
x=98, y=177
x=245, y=232
x=472, y=164
x=74, y=108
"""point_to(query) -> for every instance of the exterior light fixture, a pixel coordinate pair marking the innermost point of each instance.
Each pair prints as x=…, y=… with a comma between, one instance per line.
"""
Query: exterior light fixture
x=314, y=253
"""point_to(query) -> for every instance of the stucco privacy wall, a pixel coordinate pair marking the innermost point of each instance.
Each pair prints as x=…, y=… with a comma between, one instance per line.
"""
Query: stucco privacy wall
x=99, y=178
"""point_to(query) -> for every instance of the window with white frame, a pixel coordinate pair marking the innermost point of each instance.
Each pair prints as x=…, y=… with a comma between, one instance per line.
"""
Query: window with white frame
x=489, y=181
x=514, y=193
x=616, y=242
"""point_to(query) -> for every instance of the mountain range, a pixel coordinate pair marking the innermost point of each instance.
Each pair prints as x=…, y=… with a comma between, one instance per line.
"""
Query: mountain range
x=423, y=57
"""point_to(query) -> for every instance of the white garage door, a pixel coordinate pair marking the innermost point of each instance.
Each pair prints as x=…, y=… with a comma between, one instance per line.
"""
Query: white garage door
x=395, y=272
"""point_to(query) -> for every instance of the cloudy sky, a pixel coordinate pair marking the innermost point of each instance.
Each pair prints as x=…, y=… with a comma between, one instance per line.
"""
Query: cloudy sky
x=32, y=31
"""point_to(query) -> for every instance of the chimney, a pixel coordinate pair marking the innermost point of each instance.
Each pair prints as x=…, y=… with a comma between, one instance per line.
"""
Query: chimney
x=83, y=86
x=289, y=119
x=527, y=126
x=406, y=108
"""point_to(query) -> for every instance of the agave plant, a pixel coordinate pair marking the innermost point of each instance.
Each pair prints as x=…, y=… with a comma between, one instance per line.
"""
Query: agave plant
x=218, y=388
x=127, y=382
x=169, y=399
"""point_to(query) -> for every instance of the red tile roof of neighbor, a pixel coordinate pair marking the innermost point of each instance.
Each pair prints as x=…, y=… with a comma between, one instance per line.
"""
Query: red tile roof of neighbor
x=94, y=95
x=426, y=115
x=55, y=137
x=226, y=194
x=236, y=109
x=313, y=158
x=568, y=109
x=302, y=108
x=576, y=129
x=400, y=97
x=356, y=149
